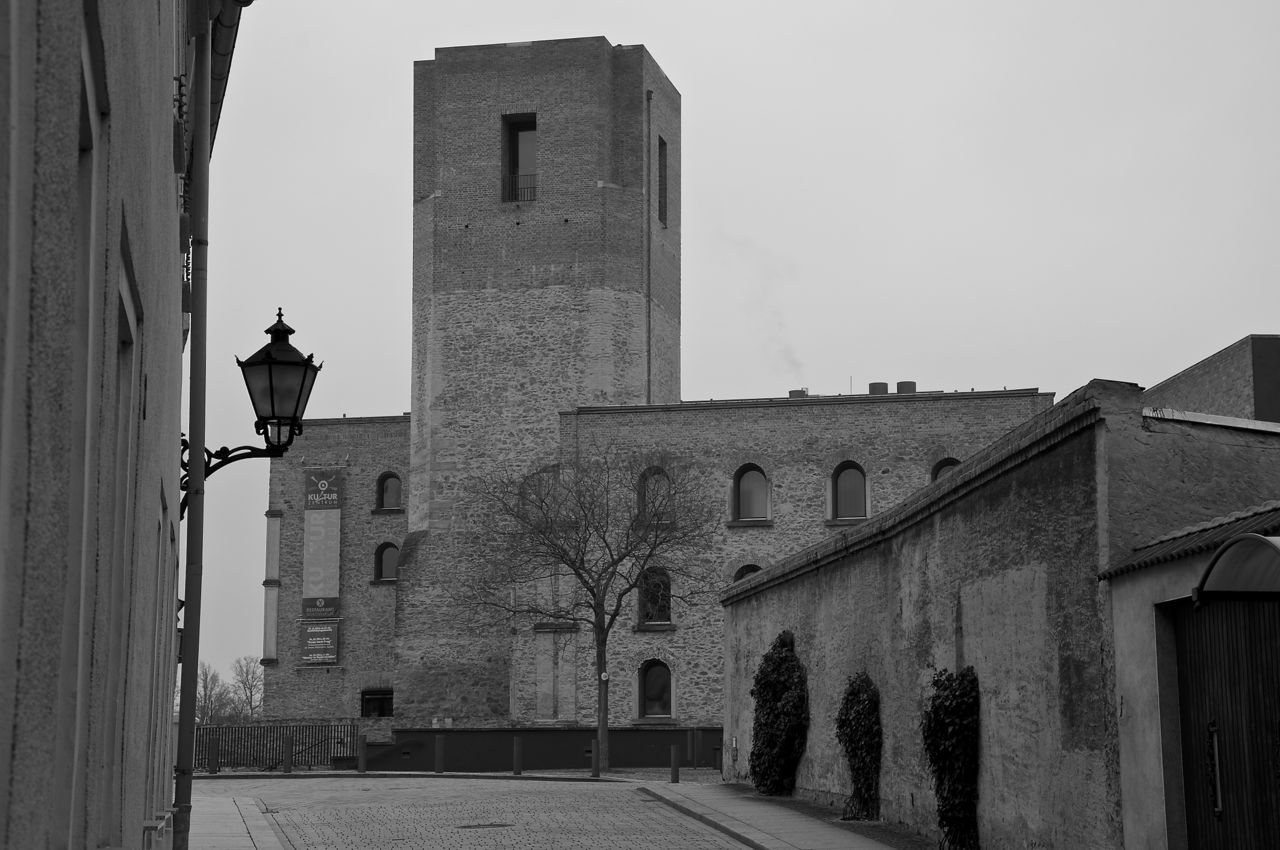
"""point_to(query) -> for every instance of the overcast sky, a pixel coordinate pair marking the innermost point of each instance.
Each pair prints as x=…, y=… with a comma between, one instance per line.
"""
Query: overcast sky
x=963, y=194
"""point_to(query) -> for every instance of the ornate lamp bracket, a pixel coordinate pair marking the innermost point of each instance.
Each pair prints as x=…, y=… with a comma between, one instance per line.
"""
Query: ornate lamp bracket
x=215, y=460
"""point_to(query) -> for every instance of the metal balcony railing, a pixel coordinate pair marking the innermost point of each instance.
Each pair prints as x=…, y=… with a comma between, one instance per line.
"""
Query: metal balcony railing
x=519, y=187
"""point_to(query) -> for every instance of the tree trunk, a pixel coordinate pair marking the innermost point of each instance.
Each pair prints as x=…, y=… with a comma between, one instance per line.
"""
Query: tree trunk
x=602, y=695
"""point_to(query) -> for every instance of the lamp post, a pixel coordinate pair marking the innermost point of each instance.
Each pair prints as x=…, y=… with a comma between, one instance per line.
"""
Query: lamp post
x=279, y=380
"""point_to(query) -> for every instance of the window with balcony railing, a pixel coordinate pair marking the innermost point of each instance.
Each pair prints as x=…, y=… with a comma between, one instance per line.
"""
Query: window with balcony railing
x=519, y=157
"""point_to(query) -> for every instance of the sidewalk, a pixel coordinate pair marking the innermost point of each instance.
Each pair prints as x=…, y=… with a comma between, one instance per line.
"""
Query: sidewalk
x=230, y=823
x=765, y=823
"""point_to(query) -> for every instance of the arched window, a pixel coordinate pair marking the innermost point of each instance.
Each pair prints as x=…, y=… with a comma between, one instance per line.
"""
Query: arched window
x=655, y=689
x=386, y=562
x=389, y=492
x=745, y=570
x=943, y=467
x=750, y=493
x=655, y=596
x=848, y=492
x=652, y=493
x=539, y=488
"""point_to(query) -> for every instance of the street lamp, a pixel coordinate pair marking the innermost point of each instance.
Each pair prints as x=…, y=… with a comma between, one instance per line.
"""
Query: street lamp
x=279, y=380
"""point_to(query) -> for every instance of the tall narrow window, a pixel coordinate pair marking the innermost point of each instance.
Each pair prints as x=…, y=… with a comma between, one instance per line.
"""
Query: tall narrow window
x=655, y=690
x=848, y=492
x=386, y=562
x=662, y=180
x=750, y=493
x=389, y=491
x=653, y=494
x=520, y=157
x=655, y=596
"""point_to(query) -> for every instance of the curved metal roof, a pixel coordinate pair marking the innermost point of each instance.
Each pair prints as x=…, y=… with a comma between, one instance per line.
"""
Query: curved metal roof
x=1245, y=567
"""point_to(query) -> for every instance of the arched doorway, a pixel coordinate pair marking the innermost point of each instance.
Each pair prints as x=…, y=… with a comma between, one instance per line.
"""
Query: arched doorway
x=1228, y=651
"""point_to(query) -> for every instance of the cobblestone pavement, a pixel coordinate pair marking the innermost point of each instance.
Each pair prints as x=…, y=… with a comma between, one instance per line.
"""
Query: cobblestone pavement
x=468, y=814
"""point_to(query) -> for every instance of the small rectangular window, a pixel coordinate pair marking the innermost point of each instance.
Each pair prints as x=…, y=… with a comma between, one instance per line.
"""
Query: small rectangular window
x=519, y=157
x=376, y=703
x=662, y=180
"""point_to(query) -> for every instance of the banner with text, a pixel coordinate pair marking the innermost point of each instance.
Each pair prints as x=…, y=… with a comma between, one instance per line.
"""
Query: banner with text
x=322, y=532
x=320, y=642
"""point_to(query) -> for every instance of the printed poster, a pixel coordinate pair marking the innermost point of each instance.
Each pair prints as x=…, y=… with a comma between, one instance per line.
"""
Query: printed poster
x=322, y=531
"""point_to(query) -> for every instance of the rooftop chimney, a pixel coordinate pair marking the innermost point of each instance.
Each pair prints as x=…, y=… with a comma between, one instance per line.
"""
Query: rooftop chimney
x=878, y=388
x=906, y=387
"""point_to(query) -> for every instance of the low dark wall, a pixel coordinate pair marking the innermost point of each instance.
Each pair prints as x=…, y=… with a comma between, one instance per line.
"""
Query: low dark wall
x=490, y=750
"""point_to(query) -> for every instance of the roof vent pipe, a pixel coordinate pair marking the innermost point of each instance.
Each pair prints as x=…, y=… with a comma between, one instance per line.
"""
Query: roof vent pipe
x=878, y=388
x=906, y=386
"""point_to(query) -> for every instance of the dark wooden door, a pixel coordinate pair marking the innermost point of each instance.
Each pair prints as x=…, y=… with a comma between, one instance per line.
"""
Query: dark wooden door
x=1229, y=694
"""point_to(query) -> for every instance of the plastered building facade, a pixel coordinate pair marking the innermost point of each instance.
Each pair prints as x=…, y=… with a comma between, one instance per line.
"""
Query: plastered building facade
x=546, y=325
x=94, y=158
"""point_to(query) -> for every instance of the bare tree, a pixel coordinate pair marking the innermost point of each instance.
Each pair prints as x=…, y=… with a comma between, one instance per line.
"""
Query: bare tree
x=214, y=698
x=246, y=683
x=579, y=538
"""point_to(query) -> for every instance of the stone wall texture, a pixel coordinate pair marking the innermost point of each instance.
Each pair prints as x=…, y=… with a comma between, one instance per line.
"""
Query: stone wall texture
x=995, y=566
x=364, y=449
x=522, y=309
x=896, y=439
x=1238, y=381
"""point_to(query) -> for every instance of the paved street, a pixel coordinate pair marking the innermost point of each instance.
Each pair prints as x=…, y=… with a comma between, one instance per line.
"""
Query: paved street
x=428, y=812
x=639, y=810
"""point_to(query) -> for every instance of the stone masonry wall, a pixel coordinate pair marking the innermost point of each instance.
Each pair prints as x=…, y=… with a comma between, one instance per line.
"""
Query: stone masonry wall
x=1221, y=384
x=897, y=439
x=522, y=309
x=363, y=448
x=994, y=566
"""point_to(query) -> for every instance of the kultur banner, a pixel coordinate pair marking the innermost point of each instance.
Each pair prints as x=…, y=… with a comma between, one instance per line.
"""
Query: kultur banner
x=322, y=532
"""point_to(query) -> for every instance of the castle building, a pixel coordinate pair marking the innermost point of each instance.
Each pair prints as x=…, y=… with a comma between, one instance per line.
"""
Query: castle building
x=546, y=325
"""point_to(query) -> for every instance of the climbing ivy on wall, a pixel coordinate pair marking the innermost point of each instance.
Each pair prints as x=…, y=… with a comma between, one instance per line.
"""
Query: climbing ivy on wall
x=950, y=727
x=858, y=730
x=781, y=724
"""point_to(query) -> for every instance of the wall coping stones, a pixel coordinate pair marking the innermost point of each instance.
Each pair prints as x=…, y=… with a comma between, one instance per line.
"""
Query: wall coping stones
x=736, y=403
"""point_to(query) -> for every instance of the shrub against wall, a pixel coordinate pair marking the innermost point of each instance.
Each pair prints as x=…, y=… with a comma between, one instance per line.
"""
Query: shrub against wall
x=858, y=730
x=950, y=727
x=781, y=725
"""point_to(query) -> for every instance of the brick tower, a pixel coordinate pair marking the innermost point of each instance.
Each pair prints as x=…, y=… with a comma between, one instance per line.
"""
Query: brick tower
x=546, y=275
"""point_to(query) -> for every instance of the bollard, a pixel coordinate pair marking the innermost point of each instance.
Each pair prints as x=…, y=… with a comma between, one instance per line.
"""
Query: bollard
x=215, y=762
x=675, y=763
x=517, y=755
x=288, y=754
x=362, y=753
x=595, y=758
x=439, y=753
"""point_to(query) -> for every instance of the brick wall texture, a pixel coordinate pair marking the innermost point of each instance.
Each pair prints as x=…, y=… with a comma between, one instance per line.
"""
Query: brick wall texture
x=1237, y=381
x=994, y=566
x=364, y=449
x=522, y=309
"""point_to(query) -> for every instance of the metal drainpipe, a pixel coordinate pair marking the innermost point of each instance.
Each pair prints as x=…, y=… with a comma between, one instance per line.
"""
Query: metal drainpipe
x=196, y=426
x=648, y=246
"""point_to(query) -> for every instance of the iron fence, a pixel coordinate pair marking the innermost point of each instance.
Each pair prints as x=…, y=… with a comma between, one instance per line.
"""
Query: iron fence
x=264, y=747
